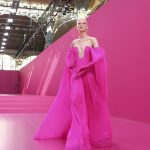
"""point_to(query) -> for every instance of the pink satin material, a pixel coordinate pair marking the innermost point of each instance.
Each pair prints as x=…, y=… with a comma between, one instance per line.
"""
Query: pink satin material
x=79, y=112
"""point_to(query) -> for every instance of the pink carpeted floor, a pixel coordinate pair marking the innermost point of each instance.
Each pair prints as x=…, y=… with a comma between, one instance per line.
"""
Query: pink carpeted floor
x=17, y=129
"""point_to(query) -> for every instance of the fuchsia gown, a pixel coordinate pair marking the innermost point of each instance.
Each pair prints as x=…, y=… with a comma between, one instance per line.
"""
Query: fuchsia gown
x=79, y=112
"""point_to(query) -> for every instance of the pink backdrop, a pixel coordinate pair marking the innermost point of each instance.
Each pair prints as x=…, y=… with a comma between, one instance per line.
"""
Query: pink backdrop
x=9, y=82
x=123, y=30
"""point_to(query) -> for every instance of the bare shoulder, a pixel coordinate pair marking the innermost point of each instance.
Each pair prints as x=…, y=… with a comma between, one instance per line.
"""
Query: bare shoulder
x=74, y=42
x=94, y=41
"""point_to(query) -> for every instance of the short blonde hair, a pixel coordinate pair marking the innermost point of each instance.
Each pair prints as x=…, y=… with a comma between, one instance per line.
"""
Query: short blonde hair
x=80, y=18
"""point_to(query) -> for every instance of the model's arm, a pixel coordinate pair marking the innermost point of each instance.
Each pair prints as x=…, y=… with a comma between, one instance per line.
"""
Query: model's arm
x=94, y=42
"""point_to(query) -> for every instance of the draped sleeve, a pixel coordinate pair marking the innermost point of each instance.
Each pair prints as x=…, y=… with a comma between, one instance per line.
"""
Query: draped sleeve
x=70, y=59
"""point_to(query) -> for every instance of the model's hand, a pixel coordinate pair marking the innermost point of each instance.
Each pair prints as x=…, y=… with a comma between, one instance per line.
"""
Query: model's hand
x=78, y=70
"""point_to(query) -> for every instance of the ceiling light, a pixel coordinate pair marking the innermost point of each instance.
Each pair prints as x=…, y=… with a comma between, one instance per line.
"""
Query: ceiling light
x=10, y=20
x=55, y=13
x=3, y=43
x=2, y=47
x=1, y=50
x=7, y=27
x=4, y=39
x=6, y=34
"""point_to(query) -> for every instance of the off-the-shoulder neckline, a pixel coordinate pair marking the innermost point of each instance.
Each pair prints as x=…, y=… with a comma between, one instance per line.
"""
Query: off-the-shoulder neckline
x=84, y=50
x=85, y=47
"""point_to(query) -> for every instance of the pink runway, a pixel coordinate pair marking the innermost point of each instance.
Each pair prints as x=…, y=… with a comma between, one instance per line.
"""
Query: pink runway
x=17, y=132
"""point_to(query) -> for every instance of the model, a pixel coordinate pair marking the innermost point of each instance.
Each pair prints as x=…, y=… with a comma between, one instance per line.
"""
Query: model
x=80, y=112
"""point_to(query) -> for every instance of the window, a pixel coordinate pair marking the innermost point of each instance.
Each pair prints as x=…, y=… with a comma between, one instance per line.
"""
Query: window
x=9, y=63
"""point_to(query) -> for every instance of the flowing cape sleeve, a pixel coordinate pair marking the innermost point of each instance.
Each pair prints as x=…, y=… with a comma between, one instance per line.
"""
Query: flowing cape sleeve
x=70, y=59
x=100, y=125
x=57, y=121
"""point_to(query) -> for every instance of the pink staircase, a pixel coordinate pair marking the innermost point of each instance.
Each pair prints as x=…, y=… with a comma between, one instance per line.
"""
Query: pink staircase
x=24, y=103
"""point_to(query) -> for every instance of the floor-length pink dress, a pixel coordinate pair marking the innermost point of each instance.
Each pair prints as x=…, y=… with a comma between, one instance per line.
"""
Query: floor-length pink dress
x=79, y=112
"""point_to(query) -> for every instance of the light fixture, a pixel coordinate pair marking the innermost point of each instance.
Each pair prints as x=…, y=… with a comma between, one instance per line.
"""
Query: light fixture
x=1, y=50
x=55, y=13
x=7, y=27
x=9, y=20
x=4, y=39
x=6, y=34
x=2, y=47
x=3, y=43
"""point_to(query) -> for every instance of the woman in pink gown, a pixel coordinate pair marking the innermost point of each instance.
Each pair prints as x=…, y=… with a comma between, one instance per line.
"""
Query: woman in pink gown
x=79, y=112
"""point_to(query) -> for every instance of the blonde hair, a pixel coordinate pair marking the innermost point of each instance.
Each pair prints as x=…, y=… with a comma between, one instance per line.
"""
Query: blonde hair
x=80, y=18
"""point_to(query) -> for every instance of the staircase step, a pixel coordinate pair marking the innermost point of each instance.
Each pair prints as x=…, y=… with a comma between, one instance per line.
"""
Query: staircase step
x=23, y=110
x=25, y=103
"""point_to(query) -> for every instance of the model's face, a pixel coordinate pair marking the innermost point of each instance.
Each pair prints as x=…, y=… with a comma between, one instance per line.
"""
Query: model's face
x=82, y=25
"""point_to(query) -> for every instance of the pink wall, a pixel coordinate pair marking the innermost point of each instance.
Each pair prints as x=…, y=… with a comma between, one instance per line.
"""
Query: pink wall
x=122, y=29
x=9, y=82
x=42, y=75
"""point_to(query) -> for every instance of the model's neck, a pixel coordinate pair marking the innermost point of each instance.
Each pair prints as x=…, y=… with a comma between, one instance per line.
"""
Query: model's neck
x=82, y=35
